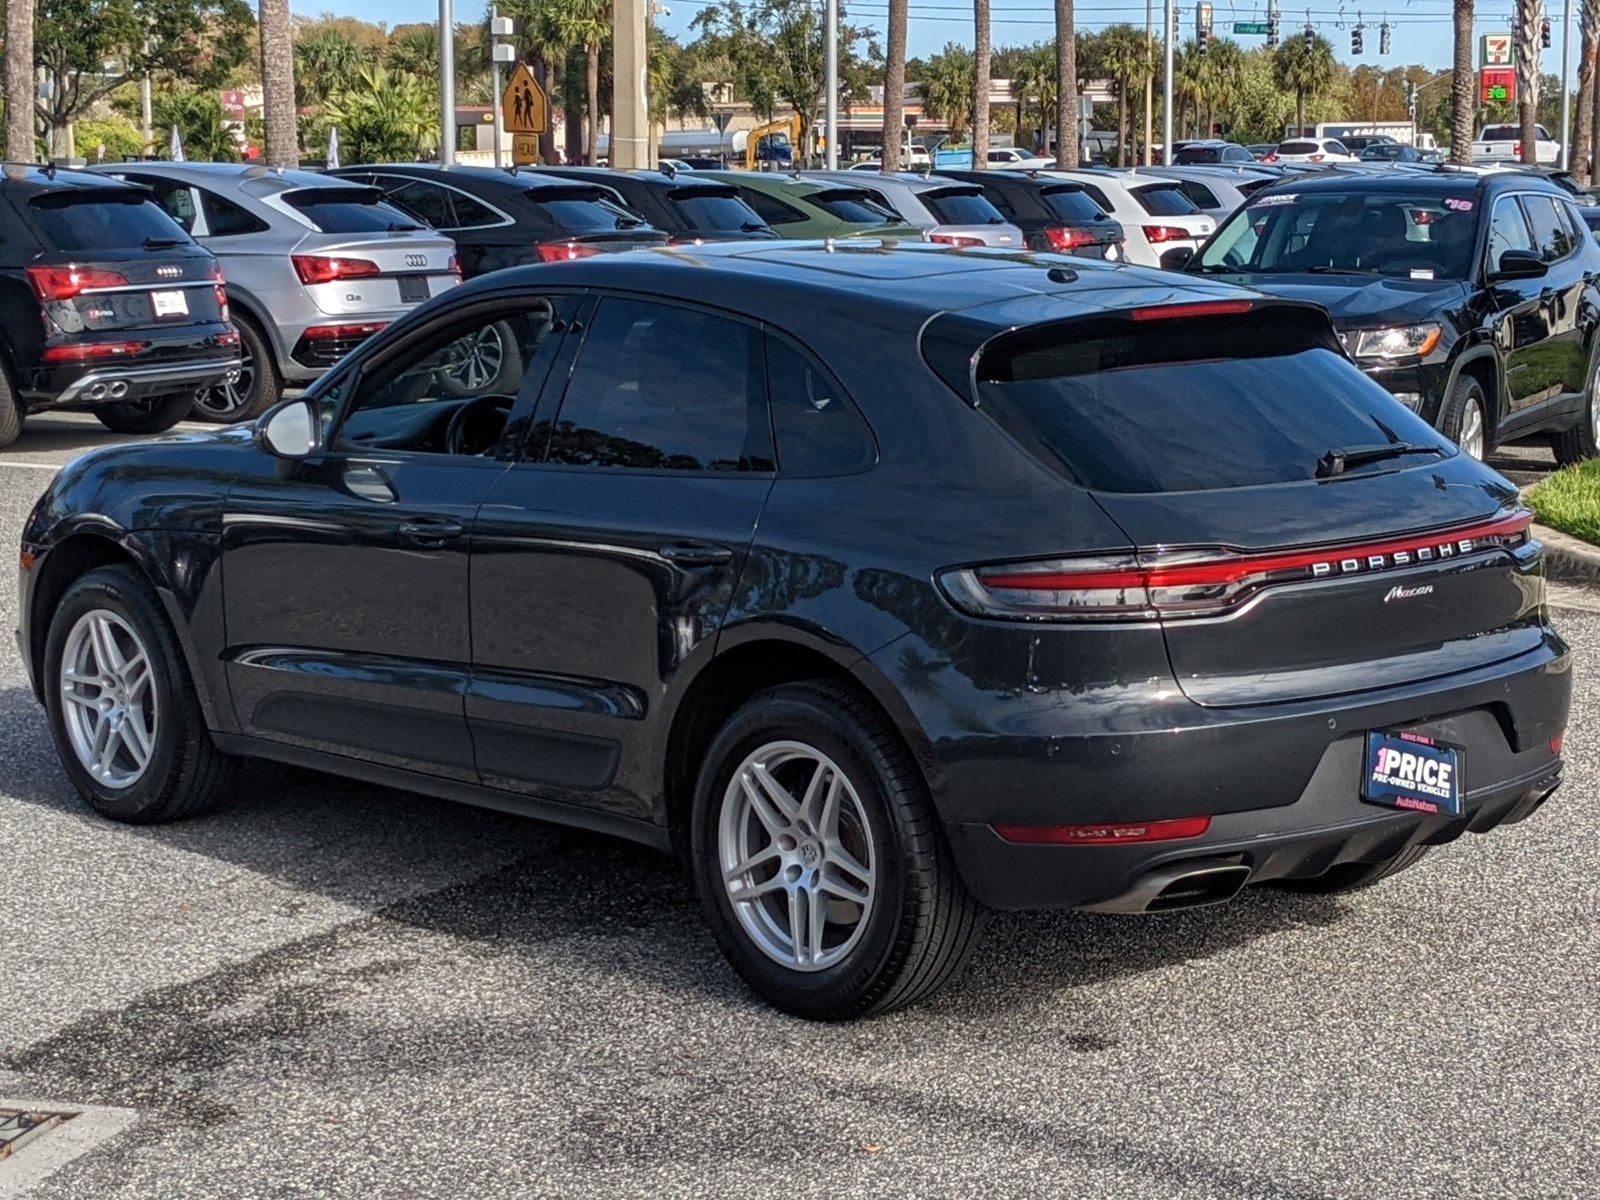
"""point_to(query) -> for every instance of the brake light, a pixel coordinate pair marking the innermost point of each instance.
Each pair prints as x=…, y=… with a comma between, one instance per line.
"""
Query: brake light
x=1208, y=308
x=218, y=286
x=1172, y=830
x=87, y=351
x=1061, y=238
x=1516, y=149
x=63, y=283
x=455, y=266
x=1315, y=157
x=565, y=251
x=1166, y=233
x=954, y=239
x=1269, y=158
x=1133, y=587
x=339, y=333
x=320, y=268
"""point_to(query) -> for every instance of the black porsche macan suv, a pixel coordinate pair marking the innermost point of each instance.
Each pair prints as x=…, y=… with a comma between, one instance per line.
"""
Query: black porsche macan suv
x=1473, y=296
x=1047, y=601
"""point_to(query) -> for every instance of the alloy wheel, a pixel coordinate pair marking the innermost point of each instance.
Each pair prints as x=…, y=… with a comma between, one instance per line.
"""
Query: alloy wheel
x=474, y=361
x=795, y=848
x=1471, y=437
x=226, y=399
x=107, y=699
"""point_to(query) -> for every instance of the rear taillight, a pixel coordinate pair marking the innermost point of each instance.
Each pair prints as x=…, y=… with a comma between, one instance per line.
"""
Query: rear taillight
x=343, y=333
x=218, y=286
x=1516, y=149
x=1269, y=158
x=455, y=266
x=88, y=351
x=1315, y=157
x=954, y=239
x=564, y=251
x=1198, y=583
x=1166, y=233
x=1060, y=237
x=322, y=268
x=1175, y=829
x=63, y=283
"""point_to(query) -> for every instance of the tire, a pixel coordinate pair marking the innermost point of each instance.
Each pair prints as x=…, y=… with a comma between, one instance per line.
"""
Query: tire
x=1582, y=441
x=10, y=412
x=491, y=365
x=1352, y=877
x=157, y=416
x=918, y=924
x=259, y=387
x=1456, y=420
x=183, y=773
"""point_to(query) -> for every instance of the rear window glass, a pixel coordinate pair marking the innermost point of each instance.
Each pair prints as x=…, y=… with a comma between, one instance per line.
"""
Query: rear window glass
x=713, y=209
x=1072, y=204
x=1300, y=148
x=951, y=207
x=586, y=211
x=858, y=208
x=1155, y=409
x=1165, y=200
x=348, y=210
x=1197, y=154
x=79, y=224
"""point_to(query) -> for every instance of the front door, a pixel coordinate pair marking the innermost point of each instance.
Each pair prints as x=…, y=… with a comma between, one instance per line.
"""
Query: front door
x=345, y=574
x=1521, y=315
x=607, y=559
x=1561, y=364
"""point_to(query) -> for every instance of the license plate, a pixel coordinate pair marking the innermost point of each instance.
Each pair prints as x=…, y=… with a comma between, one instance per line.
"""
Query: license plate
x=170, y=304
x=413, y=289
x=1411, y=771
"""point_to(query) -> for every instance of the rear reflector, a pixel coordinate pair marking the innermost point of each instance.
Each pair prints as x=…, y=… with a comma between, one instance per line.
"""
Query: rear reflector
x=1104, y=835
x=63, y=283
x=1177, y=312
x=1198, y=583
x=564, y=251
x=1557, y=742
x=88, y=351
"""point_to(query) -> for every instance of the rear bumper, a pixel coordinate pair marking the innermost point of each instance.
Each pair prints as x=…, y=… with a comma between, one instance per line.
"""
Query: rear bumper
x=110, y=384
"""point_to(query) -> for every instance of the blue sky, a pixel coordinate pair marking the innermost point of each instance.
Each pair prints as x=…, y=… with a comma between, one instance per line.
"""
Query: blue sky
x=1421, y=28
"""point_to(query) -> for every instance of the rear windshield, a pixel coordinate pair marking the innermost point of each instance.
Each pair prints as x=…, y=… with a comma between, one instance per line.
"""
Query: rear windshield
x=1072, y=204
x=1420, y=236
x=714, y=208
x=1503, y=133
x=583, y=210
x=74, y=222
x=1154, y=409
x=348, y=210
x=1300, y=148
x=950, y=206
x=1197, y=154
x=1165, y=200
x=858, y=208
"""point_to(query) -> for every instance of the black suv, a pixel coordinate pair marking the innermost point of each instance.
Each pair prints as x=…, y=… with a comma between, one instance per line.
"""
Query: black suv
x=1075, y=588
x=686, y=208
x=1470, y=295
x=1053, y=214
x=105, y=304
x=511, y=218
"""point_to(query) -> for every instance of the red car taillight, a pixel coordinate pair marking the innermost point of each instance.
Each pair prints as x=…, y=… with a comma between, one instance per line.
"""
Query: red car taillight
x=954, y=239
x=564, y=251
x=1269, y=158
x=1166, y=233
x=86, y=351
x=1060, y=237
x=219, y=286
x=341, y=333
x=1171, y=830
x=1131, y=587
x=455, y=266
x=1316, y=157
x=63, y=283
x=320, y=268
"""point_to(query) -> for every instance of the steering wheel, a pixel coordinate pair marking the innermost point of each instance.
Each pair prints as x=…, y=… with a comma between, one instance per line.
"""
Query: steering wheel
x=476, y=426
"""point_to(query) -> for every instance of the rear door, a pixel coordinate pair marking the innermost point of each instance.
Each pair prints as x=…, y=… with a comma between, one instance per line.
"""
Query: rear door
x=605, y=561
x=1560, y=363
x=1521, y=315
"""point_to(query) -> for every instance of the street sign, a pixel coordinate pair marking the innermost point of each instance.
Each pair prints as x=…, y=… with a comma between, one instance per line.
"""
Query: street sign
x=1494, y=50
x=721, y=118
x=1259, y=28
x=527, y=108
x=1497, y=85
x=525, y=149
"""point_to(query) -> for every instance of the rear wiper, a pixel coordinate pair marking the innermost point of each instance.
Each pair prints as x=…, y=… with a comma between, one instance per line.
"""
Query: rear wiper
x=396, y=227
x=752, y=226
x=1322, y=270
x=629, y=222
x=164, y=243
x=1340, y=459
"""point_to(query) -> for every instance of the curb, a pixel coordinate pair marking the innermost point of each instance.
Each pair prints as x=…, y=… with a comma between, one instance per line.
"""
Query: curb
x=1568, y=559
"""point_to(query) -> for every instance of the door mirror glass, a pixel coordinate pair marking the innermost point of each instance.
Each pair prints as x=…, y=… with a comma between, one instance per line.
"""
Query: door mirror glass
x=1520, y=264
x=290, y=431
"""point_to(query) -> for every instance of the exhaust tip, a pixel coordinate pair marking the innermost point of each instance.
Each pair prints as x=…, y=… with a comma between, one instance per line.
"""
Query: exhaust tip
x=117, y=390
x=96, y=391
x=1209, y=885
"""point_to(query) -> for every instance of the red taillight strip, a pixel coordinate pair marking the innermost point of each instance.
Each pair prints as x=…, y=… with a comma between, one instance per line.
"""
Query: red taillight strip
x=1232, y=570
x=1175, y=829
x=1207, y=308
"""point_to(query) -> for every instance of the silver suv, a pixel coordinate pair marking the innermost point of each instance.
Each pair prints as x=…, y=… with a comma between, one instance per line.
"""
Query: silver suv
x=946, y=210
x=314, y=266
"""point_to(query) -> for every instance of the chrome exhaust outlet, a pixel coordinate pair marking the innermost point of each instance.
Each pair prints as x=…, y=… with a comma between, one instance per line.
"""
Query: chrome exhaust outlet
x=1179, y=885
x=95, y=391
x=117, y=390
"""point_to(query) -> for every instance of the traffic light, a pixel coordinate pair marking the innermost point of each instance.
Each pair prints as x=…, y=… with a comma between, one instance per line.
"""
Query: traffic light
x=1272, y=28
x=1544, y=33
x=1383, y=38
x=1355, y=40
x=1175, y=19
x=1203, y=41
x=1310, y=37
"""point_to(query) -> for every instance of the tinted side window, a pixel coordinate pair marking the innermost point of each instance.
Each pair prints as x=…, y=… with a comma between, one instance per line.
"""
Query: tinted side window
x=819, y=432
x=1098, y=197
x=175, y=198
x=1164, y=200
x=657, y=387
x=770, y=209
x=224, y=218
x=425, y=202
x=1551, y=237
x=1508, y=230
x=470, y=214
x=1200, y=194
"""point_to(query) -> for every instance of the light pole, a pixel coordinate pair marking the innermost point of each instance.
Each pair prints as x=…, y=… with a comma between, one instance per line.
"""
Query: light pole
x=630, y=129
x=1166, y=91
x=830, y=119
x=447, y=84
x=499, y=52
x=1566, y=93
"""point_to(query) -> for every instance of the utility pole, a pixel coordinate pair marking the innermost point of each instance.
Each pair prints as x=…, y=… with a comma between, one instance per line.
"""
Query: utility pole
x=1149, y=83
x=145, y=130
x=630, y=111
x=1166, y=90
x=830, y=111
x=499, y=27
x=1566, y=90
x=447, y=83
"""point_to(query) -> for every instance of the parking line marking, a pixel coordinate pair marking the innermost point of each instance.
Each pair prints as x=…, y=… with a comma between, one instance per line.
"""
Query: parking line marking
x=33, y=466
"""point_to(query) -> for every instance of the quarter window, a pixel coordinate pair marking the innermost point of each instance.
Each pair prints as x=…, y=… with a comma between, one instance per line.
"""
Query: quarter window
x=425, y=202
x=176, y=198
x=1551, y=237
x=1507, y=231
x=819, y=431
x=770, y=209
x=224, y=218
x=659, y=387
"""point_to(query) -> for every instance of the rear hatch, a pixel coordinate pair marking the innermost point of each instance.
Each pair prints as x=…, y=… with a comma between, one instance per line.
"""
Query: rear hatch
x=588, y=219
x=965, y=217
x=1078, y=226
x=1172, y=216
x=713, y=212
x=119, y=265
x=1296, y=532
x=366, y=256
x=861, y=213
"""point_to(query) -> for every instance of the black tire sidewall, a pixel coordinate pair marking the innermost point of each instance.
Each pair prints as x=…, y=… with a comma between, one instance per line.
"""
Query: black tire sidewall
x=1467, y=388
x=790, y=713
x=117, y=590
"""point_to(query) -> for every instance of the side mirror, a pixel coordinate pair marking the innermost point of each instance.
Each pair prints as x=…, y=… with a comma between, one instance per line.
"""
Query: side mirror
x=1178, y=259
x=290, y=431
x=1519, y=264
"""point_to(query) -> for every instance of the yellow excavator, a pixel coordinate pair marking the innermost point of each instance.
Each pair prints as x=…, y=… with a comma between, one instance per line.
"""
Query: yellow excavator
x=774, y=144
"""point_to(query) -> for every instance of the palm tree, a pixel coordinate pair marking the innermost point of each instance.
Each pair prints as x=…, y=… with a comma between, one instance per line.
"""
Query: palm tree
x=1033, y=84
x=1527, y=35
x=19, y=81
x=1463, y=86
x=384, y=116
x=1308, y=71
x=541, y=42
x=1120, y=54
x=947, y=90
x=587, y=23
x=982, y=55
x=1580, y=156
x=1066, y=87
x=277, y=84
x=323, y=60
x=414, y=51
x=894, y=86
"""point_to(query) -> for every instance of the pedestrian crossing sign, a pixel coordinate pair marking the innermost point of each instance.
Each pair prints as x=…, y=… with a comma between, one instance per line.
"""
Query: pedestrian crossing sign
x=525, y=106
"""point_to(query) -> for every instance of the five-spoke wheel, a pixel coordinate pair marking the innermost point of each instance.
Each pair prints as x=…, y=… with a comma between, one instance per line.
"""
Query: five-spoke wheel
x=107, y=701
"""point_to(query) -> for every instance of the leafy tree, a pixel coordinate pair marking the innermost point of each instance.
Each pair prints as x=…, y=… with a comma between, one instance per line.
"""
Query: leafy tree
x=1305, y=71
x=120, y=137
x=1033, y=83
x=324, y=58
x=947, y=93
x=205, y=134
x=384, y=116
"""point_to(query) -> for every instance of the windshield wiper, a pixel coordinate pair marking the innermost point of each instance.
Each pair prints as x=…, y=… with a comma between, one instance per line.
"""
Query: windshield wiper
x=164, y=243
x=629, y=222
x=1322, y=270
x=1340, y=459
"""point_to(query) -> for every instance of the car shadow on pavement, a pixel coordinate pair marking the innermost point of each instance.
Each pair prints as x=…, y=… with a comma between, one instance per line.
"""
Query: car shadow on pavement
x=500, y=884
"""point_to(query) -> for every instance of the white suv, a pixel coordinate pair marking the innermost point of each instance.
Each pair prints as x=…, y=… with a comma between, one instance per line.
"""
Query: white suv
x=1161, y=225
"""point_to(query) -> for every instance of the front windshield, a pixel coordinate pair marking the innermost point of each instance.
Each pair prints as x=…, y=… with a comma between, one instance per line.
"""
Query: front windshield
x=1357, y=233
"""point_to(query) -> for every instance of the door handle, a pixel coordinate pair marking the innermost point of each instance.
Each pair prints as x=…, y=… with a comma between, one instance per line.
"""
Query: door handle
x=431, y=531
x=697, y=554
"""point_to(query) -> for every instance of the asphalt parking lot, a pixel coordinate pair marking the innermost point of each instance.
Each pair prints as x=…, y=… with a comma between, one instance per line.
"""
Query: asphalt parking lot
x=330, y=989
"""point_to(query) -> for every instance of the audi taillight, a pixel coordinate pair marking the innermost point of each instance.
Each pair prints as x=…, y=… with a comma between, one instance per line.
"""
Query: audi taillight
x=564, y=251
x=1060, y=237
x=219, y=286
x=455, y=266
x=954, y=239
x=1315, y=157
x=1196, y=583
x=323, y=268
x=1269, y=158
x=1166, y=233
x=63, y=283
x=89, y=351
